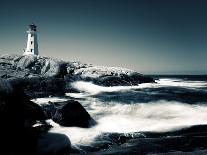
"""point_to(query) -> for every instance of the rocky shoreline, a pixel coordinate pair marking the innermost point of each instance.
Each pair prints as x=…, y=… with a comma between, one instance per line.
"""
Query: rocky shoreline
x=45, y=76
x=24, y=123
x=24, y=126
x=31, y=76
x=25, y=130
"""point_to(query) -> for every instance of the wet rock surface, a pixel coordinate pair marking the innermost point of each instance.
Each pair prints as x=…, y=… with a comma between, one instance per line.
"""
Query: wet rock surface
x=68, y=113
x=192, y=140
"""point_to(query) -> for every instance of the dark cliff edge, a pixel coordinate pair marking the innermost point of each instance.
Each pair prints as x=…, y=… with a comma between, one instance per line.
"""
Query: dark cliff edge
x=44, y=76
x=19, y=132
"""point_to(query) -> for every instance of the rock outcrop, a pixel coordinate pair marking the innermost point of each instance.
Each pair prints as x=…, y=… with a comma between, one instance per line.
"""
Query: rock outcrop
x=109, y=76
x=68, y=113
x=23, y=127
x=25, y=61
x=44, y=74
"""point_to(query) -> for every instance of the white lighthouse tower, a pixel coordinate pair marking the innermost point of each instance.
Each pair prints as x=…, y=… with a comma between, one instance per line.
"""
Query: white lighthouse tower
x=32, y=44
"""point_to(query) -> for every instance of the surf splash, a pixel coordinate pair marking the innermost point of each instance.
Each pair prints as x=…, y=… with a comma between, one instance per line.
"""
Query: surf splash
x=116, y=117
x=93, y=89
x=90, y=88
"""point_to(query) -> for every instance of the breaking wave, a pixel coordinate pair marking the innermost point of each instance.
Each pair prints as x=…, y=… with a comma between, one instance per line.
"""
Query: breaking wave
x=93, y=89
x=119, y=117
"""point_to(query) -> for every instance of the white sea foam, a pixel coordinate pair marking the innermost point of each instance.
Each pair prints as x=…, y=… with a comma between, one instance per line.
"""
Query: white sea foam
x=157, y=116
x=118, y=118
x=77, y=95
x=47, y=99
x=181, y=83
x=93, y=89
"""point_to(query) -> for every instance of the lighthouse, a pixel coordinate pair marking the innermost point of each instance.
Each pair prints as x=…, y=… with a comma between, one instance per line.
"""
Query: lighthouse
x=32, y=44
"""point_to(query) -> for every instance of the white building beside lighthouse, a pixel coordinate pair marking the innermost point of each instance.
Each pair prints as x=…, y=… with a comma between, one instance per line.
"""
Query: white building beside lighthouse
x=32, y=44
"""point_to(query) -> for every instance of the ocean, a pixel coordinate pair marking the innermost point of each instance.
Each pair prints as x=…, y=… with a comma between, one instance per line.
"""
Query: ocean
x=169, y=104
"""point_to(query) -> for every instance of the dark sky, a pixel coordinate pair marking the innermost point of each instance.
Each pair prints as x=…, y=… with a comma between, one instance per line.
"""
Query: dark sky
x=150, y=36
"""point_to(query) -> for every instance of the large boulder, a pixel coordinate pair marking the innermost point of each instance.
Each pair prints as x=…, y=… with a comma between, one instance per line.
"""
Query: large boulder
x=26, y=61
x=17, y=117
x=53, y=144
x=54, y=67
x=13, y=100
x=23, y=129
x=72, y=113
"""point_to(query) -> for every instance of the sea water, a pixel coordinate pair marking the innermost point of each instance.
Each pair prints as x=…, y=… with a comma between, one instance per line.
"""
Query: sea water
x=169, y=104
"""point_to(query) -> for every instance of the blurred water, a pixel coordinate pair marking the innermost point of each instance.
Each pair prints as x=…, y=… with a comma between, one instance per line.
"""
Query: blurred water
x=168, y=104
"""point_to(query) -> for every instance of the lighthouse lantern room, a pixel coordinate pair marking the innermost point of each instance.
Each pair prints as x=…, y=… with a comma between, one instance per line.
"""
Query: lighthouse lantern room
x=32, y=44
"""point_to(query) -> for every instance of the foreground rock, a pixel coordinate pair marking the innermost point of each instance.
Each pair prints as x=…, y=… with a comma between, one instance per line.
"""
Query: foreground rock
x=69, y=113
x=190, y=141
x=42, y=75
x=17, y=115
x=19, y=133
x=53, y=144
